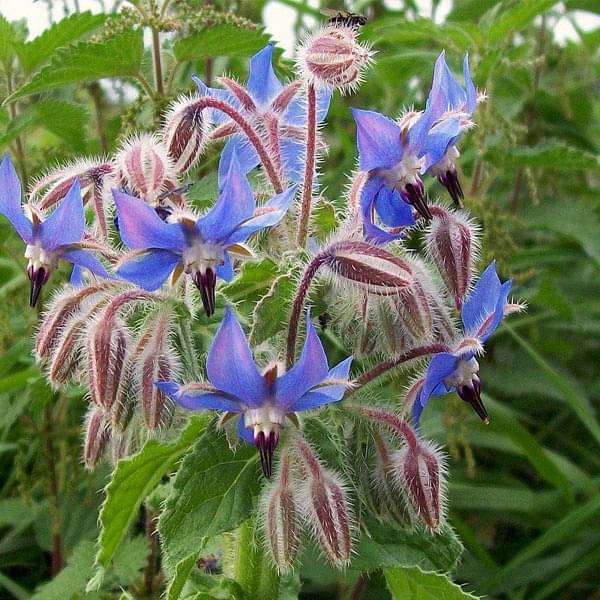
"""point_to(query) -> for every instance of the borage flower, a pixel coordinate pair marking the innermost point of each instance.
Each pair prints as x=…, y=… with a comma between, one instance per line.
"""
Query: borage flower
x=198, y=246
x=392, y=154
x=452, y=108
x=271, y=106
x=56, y=237
x=458, y=371
x=236, y=386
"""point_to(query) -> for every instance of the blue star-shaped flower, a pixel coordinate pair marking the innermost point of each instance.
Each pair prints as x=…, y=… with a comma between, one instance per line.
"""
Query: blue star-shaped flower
x=393, y=156
x=200, y=246
x=235, y=385
x=263, y=89
x=57, y=237
x=451, y=107
x=458, y=371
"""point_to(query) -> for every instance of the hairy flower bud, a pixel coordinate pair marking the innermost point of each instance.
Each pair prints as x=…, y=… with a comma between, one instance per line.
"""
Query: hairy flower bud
x=326, y=508
x=184, y=133
x=452, y=244
x=145, y=168
x=281, y=518
x=420, y=472
x=334, y=58
x=97, y=436
x=106, y=347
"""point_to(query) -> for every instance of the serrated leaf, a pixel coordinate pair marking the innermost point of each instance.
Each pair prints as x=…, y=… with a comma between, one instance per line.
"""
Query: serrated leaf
x=517, y=17
x=182, y=572
x=134, y=478
x=8, y=38
x=254, y=280
x=272, y=310
x=220, y=40
x=554, y=154
x=212, y=493
x=66, y=31
x=118, y=56
x=415, y=584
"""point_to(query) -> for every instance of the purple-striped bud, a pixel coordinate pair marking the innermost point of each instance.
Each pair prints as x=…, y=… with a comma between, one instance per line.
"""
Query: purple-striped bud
x=184, y=133
x=334, y=58
x=370, y=268
x=326, y=507
x=281, y=518
x=97, y=436
x=420, y=471
x=452, y=244
x=144, y=167
x=107, y=342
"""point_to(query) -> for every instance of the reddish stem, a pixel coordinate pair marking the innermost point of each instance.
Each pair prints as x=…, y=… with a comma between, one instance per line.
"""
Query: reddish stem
x=309, y=165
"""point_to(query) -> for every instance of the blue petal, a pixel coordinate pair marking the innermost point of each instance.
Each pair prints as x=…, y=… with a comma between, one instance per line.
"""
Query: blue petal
x=270, y=214
x=442, y=365
x=235, y=205
x=245, y=433
x=485, y=332
x=439, y=139
x=149, y=270
x=263, y=84
x=417, y=134
x=84, y=259
x=308, y=372
x=296, y=112
x=225, y=271
x=76, y=279
x=247, y=157
x=292, y=156
x=392, y=209
x=214, y=115
x=10, y=200
x=66, y=225
x=196, y=400
x=230, y=365
x=470, y=87
x=378, y=140
x=140, y=227
x=482, y=301
x=437, y=101
x=372, y=232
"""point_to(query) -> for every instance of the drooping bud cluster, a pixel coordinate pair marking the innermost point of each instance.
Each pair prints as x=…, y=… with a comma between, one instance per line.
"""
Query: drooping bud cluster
x=334, y=58
x=453, y=245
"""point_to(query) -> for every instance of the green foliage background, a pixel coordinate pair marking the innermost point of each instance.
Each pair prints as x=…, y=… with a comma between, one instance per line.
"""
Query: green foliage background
x=523, y=492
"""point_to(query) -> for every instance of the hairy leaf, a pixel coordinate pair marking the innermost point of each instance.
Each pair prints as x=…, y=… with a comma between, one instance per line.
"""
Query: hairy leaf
x=420, y=585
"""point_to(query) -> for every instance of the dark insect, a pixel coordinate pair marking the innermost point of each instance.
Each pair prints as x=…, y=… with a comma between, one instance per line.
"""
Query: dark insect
x=343, y=17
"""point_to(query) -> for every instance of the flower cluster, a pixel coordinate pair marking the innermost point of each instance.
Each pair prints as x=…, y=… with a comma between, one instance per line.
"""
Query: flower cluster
x=123, y=326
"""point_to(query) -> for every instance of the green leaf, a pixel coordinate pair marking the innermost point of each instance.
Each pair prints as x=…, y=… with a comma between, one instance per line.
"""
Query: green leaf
x=557, y=155
x=517, y=17
x=272, y=310
x=32, y=54
x=219, y=40
x=212, y=493
x=118, y=56
x=8, y=37
x=388, y=545
x=134, y=478
x=415, y=584
x=182, y=572
x=254, y=280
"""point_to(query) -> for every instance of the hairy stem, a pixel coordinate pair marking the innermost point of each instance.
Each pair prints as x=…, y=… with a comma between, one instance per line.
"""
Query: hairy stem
x=156, y=58
x=95, y=91
x=146, y=85
x=309, y=164
x=385, y=366
x=152, y=565
x=303, y=288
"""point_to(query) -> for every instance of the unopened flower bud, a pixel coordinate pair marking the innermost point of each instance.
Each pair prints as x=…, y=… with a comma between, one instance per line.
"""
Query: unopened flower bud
x=184, y=133
x=281, y=518
x=420, y=472
x=145, y=168
x=326, y=508
x=97, y=436
x=452, y=244
x=107, y=347
x=334, y=58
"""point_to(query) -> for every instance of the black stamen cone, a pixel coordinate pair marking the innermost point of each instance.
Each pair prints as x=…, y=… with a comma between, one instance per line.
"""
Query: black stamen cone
x=450, y=181
x=266, y=447
x=206, y=283
x=471, y=394
x=416, y=196
x=38, y=279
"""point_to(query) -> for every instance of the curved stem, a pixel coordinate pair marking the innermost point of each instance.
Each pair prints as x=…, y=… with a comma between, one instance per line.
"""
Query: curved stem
x=385, y=366
x=309, y=164
x=246, y=127
x=310, y=272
